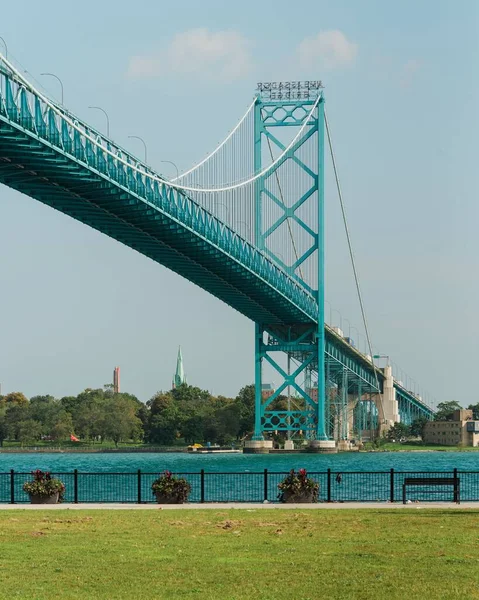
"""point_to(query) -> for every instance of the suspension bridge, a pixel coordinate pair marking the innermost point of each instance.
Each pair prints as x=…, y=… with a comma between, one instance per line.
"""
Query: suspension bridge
x=246, y=224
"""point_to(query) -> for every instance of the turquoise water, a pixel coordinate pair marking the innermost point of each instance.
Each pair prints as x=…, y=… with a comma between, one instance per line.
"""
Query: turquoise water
x=240, y=463
x=240, y=477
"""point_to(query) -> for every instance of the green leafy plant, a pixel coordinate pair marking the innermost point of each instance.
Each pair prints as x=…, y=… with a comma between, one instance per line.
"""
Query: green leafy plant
x=296, y=485
x=44, y=485
x=171, y=487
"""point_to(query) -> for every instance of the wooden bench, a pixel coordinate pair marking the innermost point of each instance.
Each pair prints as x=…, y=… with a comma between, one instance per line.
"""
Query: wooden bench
x=432, y=481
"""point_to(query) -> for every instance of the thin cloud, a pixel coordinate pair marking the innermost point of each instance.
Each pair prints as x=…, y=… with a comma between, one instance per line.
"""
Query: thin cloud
x=327, y=50
x=409, y=72
x=222, y=55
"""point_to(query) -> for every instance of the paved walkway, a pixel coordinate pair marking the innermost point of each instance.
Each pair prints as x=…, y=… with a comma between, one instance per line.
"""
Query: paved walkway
x=245, y=506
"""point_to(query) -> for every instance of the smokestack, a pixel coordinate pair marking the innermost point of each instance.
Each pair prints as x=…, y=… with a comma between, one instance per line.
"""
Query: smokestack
x=116, y=380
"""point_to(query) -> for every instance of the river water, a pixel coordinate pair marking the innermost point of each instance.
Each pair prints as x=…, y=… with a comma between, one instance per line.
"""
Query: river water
x=240, y=477
x=240, y=463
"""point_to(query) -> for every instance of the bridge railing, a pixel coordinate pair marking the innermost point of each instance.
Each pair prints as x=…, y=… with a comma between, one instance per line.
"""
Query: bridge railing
x=260, y=486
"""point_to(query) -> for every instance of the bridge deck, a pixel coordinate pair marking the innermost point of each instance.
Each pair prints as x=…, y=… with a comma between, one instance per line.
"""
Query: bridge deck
x=48, y=157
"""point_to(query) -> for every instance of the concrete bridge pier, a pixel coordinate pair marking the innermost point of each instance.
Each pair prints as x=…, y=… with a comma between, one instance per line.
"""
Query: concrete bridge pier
x=322, y=446
x=257, y=446
x=387, y=404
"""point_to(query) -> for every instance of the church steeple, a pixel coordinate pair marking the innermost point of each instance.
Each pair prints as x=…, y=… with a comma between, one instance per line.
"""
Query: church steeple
x=179, y=377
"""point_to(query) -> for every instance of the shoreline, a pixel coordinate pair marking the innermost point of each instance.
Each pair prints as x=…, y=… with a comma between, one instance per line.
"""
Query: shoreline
x=40, y=450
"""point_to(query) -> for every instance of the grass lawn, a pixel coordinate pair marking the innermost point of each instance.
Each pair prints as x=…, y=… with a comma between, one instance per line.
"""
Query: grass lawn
x=68, y=445
x=239, y=554
x=415, y=446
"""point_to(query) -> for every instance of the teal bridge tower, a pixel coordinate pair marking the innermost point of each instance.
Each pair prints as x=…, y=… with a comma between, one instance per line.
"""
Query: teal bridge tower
x=245, y=224
x=289, y=205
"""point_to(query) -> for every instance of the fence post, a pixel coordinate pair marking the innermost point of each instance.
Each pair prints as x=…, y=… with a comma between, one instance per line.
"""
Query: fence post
x=139, y=486
x=12, y=486
x=456, y=487
x=202, y=486
x=265, y=481
x=75, y=486
x=391, y=487
x=328, y=498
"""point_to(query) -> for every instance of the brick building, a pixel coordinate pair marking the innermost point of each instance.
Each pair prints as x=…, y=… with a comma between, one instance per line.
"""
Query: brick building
x=461, y=430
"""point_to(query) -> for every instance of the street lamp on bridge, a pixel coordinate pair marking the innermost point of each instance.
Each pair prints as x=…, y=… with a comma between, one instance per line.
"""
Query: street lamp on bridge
x=172, y=163
x=137, y=137
x=57, y=78
x=107, y=118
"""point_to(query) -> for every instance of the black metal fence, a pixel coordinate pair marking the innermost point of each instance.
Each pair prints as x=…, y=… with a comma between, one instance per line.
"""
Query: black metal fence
x=334, y=486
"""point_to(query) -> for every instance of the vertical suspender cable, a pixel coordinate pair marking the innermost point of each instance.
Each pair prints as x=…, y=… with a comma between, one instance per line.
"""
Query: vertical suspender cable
x=353, y=262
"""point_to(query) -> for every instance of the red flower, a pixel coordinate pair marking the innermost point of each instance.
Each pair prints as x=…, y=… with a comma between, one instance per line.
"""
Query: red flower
x=302, y=472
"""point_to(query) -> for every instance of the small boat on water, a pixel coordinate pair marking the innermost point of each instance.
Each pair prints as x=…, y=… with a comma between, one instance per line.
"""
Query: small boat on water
x=217, y=451
x=200, y=449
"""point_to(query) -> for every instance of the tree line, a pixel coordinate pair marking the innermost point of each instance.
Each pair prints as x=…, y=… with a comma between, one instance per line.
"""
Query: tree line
x=186, y=412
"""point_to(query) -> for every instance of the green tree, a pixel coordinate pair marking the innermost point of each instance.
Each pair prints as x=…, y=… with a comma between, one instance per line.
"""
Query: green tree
x=15, y=398
x=475, y=410
x=121, y=422
x=398, y=431
x=164, y=419
x=89, y=413
x=29, y=431
x=189, y=393
x=63, y=427
x=45, y=410
x=246, y=402
x=3, y=424
x=70, y=403
x=16, y=414
x=417, y=427
x=227, y=419
x=445, y=410
x=144, y=415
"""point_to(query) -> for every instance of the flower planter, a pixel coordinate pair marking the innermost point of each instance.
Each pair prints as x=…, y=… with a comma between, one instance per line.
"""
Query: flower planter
x=162, y=499
x=306, y=498
x=298, y=488
x=44, y=499
x=170, y=489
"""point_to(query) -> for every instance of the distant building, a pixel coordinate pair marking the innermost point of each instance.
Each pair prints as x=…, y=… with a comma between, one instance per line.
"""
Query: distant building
x=461, y=430
x=116, y=380
x=179, y=378
x=267, y=390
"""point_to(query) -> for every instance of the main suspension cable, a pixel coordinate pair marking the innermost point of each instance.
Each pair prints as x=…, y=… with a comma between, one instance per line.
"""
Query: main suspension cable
x=74, y=125
x=195, y=167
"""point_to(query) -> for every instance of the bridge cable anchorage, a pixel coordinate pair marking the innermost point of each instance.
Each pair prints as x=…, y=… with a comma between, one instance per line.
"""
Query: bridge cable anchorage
x=353, y=261
x=166, y=182
x=218, y=148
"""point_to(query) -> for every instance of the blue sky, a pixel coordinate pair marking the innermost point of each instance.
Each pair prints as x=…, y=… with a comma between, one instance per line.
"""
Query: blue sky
x=401, y=92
